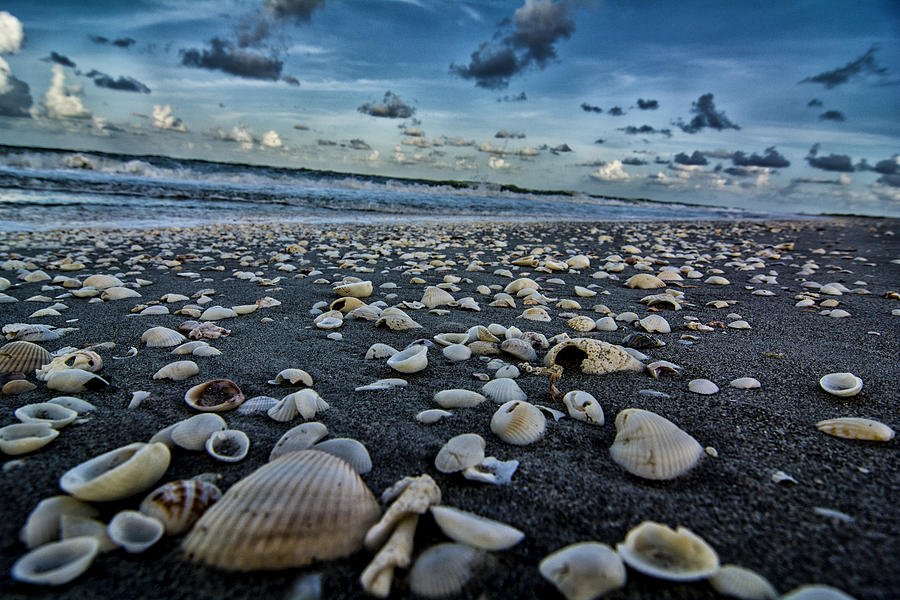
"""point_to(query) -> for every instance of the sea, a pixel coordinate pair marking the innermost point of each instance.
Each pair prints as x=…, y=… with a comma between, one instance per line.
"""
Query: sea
x=42, y=189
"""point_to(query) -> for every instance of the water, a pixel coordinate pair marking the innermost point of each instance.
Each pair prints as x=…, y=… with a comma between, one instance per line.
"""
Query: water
x=46, y=189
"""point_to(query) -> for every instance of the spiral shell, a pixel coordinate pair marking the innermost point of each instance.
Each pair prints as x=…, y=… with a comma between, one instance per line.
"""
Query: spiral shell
x=22, y=357
x=118, y=473
x=519, y=423
x=178, y=504
x=675, y=555
x=594, y=357
x=651, y=446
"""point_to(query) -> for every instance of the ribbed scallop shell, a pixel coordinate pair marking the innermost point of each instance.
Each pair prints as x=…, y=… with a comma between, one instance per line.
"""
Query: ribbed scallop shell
x=674, y=555
x=650, y=446
x=161, y=337
x=118, y=473
x=503, y=390
x=518, y=423
x=352, y=451
x=476, y=531
x=255, y=405
x=303, y=507
x=594, y=357
x=22, y=357
x=856, y=428
x=57, y=563
x=584, y=571
x=444, y=570
x=178, y=504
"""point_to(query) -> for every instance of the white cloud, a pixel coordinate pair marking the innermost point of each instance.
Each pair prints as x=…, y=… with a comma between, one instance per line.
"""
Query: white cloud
x=611, y=172
x=270, y=139
x=11, y=33
x=64, y=101
x=498, y=163
x=5, y=74
x=528, y=151
x=164, y=119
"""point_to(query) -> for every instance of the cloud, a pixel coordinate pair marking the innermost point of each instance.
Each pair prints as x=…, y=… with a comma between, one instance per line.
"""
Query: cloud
x=239, y=134
x=521, y=97
x=832, y=162
x=634, y=161
x=358, y=144
x=62, y=101
x=125, y=42
x=322, y=142
x=59, y=59
x=610, y=172
x=15, y=97
x=832, y=115
x=561, y=148
x=647, y=104
x=888, y=166
x=645, y=129
x=163, y=118
x=301, y=127
x=892, y=180
x=706, y=115
x=290, y=79
x=814, y=102
x=696, y=158
x=503, y=134
x=588, y=108
x=721, y=153
x=600, y=141
x=770, y=158
x=792, y=186
x=125, y=84
x=616, y=111
x=865, y=64
x=223, y=56
x=271, y=139
x=750, y=171
x=391, y=107
x=300, y=10
x=528, y=152
x=527, y=40
x=496, y=162
x=12, y=34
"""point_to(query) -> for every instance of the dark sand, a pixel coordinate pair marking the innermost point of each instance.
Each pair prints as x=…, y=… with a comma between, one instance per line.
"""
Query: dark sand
x=567, y=489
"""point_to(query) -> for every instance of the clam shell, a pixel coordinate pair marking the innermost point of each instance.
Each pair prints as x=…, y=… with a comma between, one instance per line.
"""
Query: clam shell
x=161, y=337
x=738, y=582
x=816, y=592
x=507, y=371
x=461, y=451
x=655, y=324
x=134, y=531
x=650, y=446
x=583, y=407
x=255, y=405
x=228, y=445
x=217, y=395
x=476, y=531
x=192, y=433
x=519, y=348
x=503, y=390
x=118, y=473
x=189, y=347
x=356, y=289
x=300, y=437
x=22, y=357
x=435, y=296
x=178, y=370
x=856, y=428
x=54, y=415
x=284, y=410
x=21, y=438
x=42, y=525
x=350, y=450
x=16, y=386
x=432, y=415
x=178, y=504
x=71, y=526
x=410, y=360
x=308, y=403
x=457, y=352
x=57, y=563
x=76, y=404
x=292, y=377
x=444, y=570
x=593, y=357
x=704, y=387
x=303, y=507
x=584, y=571
x=536, y=313
x=458, y=398
x=675, y=555
x=841, y=384
x=745, y=383
x=75, y=380
x=518, y=422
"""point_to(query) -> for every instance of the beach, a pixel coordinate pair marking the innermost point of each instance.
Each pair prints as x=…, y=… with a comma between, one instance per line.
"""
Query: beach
x=566, y=488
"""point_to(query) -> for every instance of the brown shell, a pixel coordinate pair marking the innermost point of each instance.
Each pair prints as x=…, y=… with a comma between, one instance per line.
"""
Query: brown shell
x=302, y=507
x=218, y=395
x=178, y=504
x=22, y=357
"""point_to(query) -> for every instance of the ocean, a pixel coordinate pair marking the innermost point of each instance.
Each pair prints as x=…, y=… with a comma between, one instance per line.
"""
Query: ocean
x=44, y=189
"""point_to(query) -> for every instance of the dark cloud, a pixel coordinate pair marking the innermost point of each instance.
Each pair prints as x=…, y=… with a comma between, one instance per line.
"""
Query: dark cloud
x=301, y=127
x=290, y=79
x=59, y=59
x=502, y=134
x=326, y=143
x=892, y=180
x=521, y=97
x=616, y=111
x=769, y=158
x=223, y=56
x=593, y=163
x=301, y=10
x=647, y=104
x=98, y=39
x=557, y=149
x=589, y=108
x=528, y=39
x=600, y=141
x=744, y=171
x=634, y=161
x=391, y=107
x=814, y=102
x=696, y=158
x=832, y=162
x=660, y=161
x=125, y=42
x=865, y=64
x=358, y=144
x=645, y=129
x=832, y=115
x=16, y=100
x=252, y=31
x=888, y=166
x=706, y=115
x=125, y=84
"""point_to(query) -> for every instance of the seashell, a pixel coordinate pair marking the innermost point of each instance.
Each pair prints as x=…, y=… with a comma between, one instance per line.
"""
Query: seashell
x=161, y=337
x=228, y=445
x=568, y=304
x=397, y=320
x=745, y=383
x=738, y=582
x=480, y=333
x=410, y=495
x=217, y=395
x=101, y=282
x=382, y=384
x=650, y=446
x=655, y=324
x=491, y=470
x=86, y=360
x=178, y=504
x=292, y=376
x=579, y=261
x=467, y=303
x=410, y=360
x=583, y=407
x=517, y=285
x=519, y=423
x=76, y=404
x=303, y=507
x=307, y=402
x=366, y=312
x=432, y=415
x=484, y=348
x=856, y=428
x=346, y=304
x=21, y=438
x=717, y=280
x=448, y=339
x=841, y=384
x=192, y=433
x=605, y=324
x=157, y=309
x=189, y=347
x=74, y=380
x=508, y=371
x=54, y=415
x=357, y=289
x=255, y=405
x=519, y=348
x=57, y=563
x=665, y=300
x=703, y=386
x=816, y=592
x=674, y=555
x=584, y=571
x=214, y=313
x=17, y=386
x=456, y=352
x=300, y=437
x=627, y=317
x=118, y=473
x=435, y=296
x=42, y=525
x=444, y=570
x=535, y=313
x=739, y=324
x=350, y=450
x=117, y=292
x=641, y=341
x=503, y=390
x=71, y=526
x=178, y=370
x=645, y=281
x=461, y=451
x=135, y=531
x=458, y=398
x=476, y=531
x=22, y=357
x=380, y=351
x=581, y=323
x=593, y=357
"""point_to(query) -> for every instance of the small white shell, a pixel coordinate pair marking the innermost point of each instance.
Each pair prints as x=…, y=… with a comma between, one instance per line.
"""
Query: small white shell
x=76, y=404
x=503, y=390
x=444, y=570
x=52, y=414
x=410, y=360
x=57, y=563
x=745, y=383
x=300, y=437
x=518, y=422
x=703, y=386
x=42, y=525
x=675, y=555
x=432, y=415
x=292, y=377
x=738, y=582
x=135, y=531
x=255, y=405
x=161, y=337
x=228, y=445
x=214, y=313
x=118, y=473
x=460, y=452
x=605, y=324
x=178, y=370
x=655, y=324
x=350, y=450
x=508, y=371
x=308, y=403
x=456, y=352
x=492, y=470
x=841, y=384
x=458, y=398
x=816, y=592
x=584, y=571
x=476, y=531
x=21, y=438
x=856, y=428
x=192, y=433
x=584, y=407
x=379, y=350
x=74, y=380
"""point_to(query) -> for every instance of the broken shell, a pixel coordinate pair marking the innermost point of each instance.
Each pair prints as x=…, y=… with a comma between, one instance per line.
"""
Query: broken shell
x=856, y=428
x=458, y=398
x=641, y=341
x=519, y=348
x=461, y=451
x=308, y=403
x=841, y=384
x=396, y=319
x=535, y=313
x=22, y=357
x=519, y=423
x=292, y=376
x=228, y=445
x=645, y=281
x=75, y=380
x=21, y=438
x=738, y=582
x=593, y=357
x=703, y=386
x=745, y=383
x=584, y=571
x=655, y=324
x=118, y=473
x=410, y=495
x=346, y=304
x=135, y=531
x=54, y=415
x=583, y=407
x=161, y=337
x=435, y=296
x=503, y=390
x=675, y=555
x=178, y=504
x=76, y=404
x=350, y=450
x=650, y=446
x=300, y=437
x=377, y=577
x=57, y=563
x=192, y=433
x=410, y=360
x=444, y=570
x=284, y=410
x=356, y=289
x=42, y=525
x=432, y=415
x=491, y=470
x=218, y=395
x=476, y=531
x=178, y=370
x=379, y=350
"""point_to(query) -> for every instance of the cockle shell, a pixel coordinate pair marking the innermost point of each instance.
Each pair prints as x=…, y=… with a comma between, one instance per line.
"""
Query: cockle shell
x=308, y=403
x=54, y=415
x=21, y=438
x=300, y=437
x=178, y=370
x=518, y=422
x=462, y=451
x=118, y=473
x=655, y=324
x=217, y=395
x=737, y=582
x=303, y=507
x=519, y=348
x=192, y=433
x=593, y=357
x=703, y=387
x=476, y=531
x=581, y=323
x=352, y=451
x=675, y=555
x=645, y=281
x=503, y=390
x=583, y=407
x=135, y=531
x=161, y=337
x=22, y=357
x=458, y=398
x=841, y=384
x=57, y=563
x=255, y=405
x=228, y=445
x=42, y=525
x=410, y=360
x=178, y=504
x=435, y=296
x=357, y=289
x=74, y=380
x=584, y=571
x=856, y=428
x=444, y=570
x=292, y=377
x=650, y=446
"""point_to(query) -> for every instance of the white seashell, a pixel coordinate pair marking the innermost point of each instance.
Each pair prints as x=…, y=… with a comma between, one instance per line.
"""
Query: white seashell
x=44, y=312
x=581, y=323
x=476, y=531
x=739, y=324
x=21, y=438
x=518, y=422
x=189, y=347
x=856, y=428
x=161, y=337
x=651, y=446
x=460, y=452
x=229, y=445
x=716, y=280
x=492, y=470
x=556, y=415
x=157, y=309
x=255, y=405
x=841, y=384
x=605, y=324
x=447, y=339
x=292, y=376
x=458, y=398
x=396, y=319
x=738, y=582
x=214, y=313
x=42, y=525
x=519, y=348
x=135, y=531
x=536, y=313
x=74, y=380
x=503, y=390
x=54, y=415
x=432, y=415
x=410, y=360
x=655, y=324
x=703, y=386
x=584, y=571
x=118, y=473
x=745, y=383
x=435, y=296
x=782, y=477
x=508, y=371
x=297, y=438
x=456, y=352
x=675, y=555
x=307, y=402
x=352, y=451
x=816, y=592
x=206, y=350
x=356, y=289
x=71, y=526
x=444, y=570
x=178, y=504
x=583, y=407
x=645, y=281
x=57, y=563
x=101, y=282
x=376, y=351
x=118, y=293
x=382, y=384
x=76, y=404
x=178, y=370
x=192, y=433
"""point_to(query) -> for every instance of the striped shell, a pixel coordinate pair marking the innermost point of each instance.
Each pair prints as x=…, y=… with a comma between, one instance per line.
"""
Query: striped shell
x=856, y=428
x=581, y=323
x=303, y=507
x=666, y=553
x=593, y=357
x=22, y=357
x=257, y=404
x=161, y=337
x=503, y=390
x=444, y=570
x=519, y=423
x=297, y=438
x=178, y=504
x=651, y=446
x=352, y=451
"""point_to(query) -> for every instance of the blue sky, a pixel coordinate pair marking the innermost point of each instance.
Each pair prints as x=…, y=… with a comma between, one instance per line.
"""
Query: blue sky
x=760, y=104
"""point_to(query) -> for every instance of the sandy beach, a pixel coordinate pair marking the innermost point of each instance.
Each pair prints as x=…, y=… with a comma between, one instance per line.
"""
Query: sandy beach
x=566, y=489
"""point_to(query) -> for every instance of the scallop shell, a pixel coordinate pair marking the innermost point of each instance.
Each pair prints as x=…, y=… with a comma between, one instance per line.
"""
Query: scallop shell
x=476, y=531
x=303, y=507
x=645, y=281
x=655, y=324
x=217, y=395
x=57, y=563
x=704, y=387
x=292, y=377
x=308, y=403
x=178, y=370
x=228, y=445
x=178, y=504
x=192, y=433
x=350, y=450
x=255, y=405
x=519, y=348
x=675, y=555
x=135, y=531
x=584, y=407
x=581, y=323
x=737, y=582
x=356, y=289
x=21, y=438
x=517, y=422
x=410, y=360
x=42, y=525
x=75, y=380
x=503, y=390
x=458, y=398
x=300, y=437
x=594, y=357
x=444, y=570
x=22, y=357
x=284, y=410
x=435, y=296
x=841, y=384
x=584, y=571
x=54, y=415
x=118, y=473
x=856, y=428
x=460, y=452
x=161, y=337
x=651, y=446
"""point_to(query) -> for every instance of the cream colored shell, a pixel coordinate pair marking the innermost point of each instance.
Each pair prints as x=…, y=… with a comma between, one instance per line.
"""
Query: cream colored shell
x=584, y=571
x=675, y=555
x=645, y=281
x=650, y=446
x=737, y=582
x=57, y=563
x=461, y=451
x=841, y=384
x=178, y=504
x=135, y=531
x=856, y=428
x=118, y=473
x=444, y=570
x=474, y=530
x=519, y=423
x=178, y=370
x=594, y=357
x=21, y=438
x=583, y=407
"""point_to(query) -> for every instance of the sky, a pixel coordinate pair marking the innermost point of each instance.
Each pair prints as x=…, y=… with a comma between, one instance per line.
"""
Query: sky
x=755, y=104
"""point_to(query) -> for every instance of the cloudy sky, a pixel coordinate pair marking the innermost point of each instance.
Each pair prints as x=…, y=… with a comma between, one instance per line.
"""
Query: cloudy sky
x=737, y=103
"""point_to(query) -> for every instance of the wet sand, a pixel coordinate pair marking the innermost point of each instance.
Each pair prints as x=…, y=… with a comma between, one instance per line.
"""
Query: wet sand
x=566, y=489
